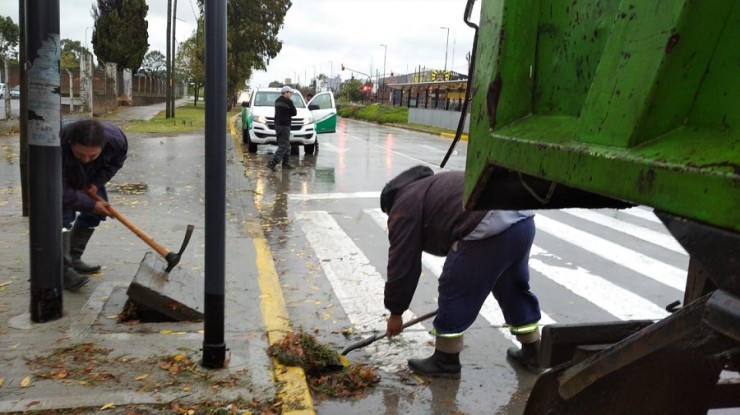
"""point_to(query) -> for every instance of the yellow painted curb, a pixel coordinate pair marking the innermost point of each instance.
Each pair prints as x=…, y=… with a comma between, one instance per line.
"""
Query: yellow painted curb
x=463, y=137
x=291, y=381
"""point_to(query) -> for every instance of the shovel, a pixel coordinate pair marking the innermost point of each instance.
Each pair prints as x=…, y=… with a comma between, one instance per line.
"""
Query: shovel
x=171, y=257
x=378, y=336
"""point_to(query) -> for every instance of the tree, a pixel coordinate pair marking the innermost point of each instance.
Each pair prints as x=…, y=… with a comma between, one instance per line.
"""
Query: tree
x=190, y=65
x=72, y=51
x=9, y=37
x=352, y=90
x=154, y=63
x=120, y=34
x=253, y=27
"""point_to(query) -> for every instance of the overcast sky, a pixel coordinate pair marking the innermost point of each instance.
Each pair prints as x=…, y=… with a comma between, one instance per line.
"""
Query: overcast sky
x=320, y=35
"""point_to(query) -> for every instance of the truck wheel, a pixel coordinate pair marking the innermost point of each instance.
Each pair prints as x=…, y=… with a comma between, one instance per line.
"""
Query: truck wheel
x=309, y=148
x=293, y=150
x=251, y=147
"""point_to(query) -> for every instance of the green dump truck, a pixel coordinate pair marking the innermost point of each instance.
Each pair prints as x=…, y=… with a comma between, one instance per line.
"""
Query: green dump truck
x=612, y=104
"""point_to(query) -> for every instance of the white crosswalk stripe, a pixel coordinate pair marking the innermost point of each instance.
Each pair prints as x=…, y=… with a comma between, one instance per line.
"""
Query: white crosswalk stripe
x=358, y=285
x=654, y=237
x=628, y=258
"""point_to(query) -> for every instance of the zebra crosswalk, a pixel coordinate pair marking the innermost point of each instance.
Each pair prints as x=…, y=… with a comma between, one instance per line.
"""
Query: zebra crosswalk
x=567, y=257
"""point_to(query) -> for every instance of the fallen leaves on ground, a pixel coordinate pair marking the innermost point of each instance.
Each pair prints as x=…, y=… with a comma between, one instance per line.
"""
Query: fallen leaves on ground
x=326, y=374
x=79, y=362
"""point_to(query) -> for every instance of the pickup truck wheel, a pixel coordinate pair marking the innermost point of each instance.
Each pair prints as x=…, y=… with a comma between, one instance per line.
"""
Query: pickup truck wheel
x=309, y=148
x=251, y=147
x=294, y=150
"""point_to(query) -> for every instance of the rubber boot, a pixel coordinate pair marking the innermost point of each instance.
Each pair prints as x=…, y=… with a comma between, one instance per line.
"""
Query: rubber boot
x=72, y=281
x=527, y=356
x=444, y=363
x=80, y=235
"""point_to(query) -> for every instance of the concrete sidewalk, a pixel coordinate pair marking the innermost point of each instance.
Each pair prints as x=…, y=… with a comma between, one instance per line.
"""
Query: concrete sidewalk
x=87, y=358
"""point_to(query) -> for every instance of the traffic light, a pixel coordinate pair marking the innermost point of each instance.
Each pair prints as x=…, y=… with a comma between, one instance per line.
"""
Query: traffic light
x=342, y=65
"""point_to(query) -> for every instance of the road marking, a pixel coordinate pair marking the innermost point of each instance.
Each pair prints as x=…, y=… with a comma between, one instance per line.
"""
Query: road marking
x=615, y=300
x=664, y=240
x=388, y=148
x=322, y=196
x=290, y=380
x=625, y=257
x=642, y=213
x=604, y=294
x=358, y=287
x=331, y=147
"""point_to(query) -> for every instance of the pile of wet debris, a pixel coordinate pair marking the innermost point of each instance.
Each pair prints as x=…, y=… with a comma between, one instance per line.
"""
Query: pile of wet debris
x=329, y=374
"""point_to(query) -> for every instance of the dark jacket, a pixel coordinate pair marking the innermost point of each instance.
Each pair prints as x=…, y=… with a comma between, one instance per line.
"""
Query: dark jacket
x=77, y=176
x=284, y=110
x=424, y=215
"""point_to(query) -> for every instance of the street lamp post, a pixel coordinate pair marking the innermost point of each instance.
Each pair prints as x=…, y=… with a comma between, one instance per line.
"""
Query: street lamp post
x=90, y=27
x=382, y=90
x=447, y=44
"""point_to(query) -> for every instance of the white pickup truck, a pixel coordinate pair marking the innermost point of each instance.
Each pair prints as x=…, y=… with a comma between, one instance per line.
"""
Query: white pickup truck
x=258, y=119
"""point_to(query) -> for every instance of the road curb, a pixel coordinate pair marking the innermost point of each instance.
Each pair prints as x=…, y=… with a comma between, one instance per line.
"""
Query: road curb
x=291, y=380
x=463, y=137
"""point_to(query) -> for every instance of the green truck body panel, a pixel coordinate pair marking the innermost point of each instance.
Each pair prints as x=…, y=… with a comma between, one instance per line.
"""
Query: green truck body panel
x=638, y=101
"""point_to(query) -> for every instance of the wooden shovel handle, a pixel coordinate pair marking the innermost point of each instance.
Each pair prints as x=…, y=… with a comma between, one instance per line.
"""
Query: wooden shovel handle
x=141, y=234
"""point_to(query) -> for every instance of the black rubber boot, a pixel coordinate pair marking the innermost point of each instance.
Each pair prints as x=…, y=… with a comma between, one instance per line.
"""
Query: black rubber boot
x=440, y=364
x=80, y=235
x=271, y=166
x=72, y=281
x=444, y=363
x=527, y=356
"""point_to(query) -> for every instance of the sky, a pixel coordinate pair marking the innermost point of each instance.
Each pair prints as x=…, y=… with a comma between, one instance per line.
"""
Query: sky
x=320, y=35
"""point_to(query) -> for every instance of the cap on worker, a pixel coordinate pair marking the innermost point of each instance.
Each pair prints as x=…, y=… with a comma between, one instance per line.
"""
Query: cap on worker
x=285, y=89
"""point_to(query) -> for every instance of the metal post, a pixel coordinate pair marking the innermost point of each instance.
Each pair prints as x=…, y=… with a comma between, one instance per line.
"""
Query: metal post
x=214, y=347
x=382, y=90
x=447, y=44
x=43, y=120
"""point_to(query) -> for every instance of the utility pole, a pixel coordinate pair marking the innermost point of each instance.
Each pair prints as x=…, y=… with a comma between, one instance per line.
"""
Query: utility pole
x=22, y=23
x=168, y=62
x=45, y=158
x=452, y=64
x=382, y=90
x=214, y=345
x=447, y=44
x=172, y=57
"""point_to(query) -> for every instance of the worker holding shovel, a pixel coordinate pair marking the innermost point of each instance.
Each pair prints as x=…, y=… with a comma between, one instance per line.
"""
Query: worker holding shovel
x=487, y=252
x=92, y=153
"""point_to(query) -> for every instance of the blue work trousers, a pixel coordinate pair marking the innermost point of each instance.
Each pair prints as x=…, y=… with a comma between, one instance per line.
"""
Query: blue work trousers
x=87, y=220
x=474, y=269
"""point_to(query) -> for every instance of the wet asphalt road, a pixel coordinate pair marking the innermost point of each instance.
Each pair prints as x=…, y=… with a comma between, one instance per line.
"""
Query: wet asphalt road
x=329, y=244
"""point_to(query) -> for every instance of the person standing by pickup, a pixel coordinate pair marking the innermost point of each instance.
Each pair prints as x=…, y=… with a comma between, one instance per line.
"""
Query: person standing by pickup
x=284, y=111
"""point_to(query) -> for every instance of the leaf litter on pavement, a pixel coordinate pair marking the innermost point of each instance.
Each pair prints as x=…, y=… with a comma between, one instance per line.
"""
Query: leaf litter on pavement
x=88, y=365
x=327, y=376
